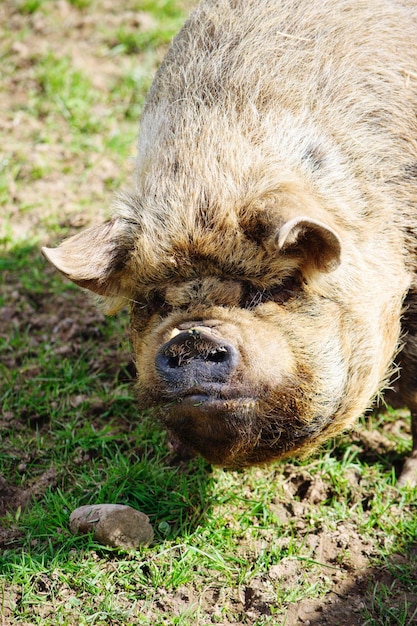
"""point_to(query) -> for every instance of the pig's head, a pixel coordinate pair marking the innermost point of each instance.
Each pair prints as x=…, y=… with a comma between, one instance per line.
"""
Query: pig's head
x=247, y=337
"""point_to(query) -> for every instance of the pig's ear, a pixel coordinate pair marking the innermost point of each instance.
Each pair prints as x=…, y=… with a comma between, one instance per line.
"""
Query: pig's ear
x=95, y=259
x=318, y=242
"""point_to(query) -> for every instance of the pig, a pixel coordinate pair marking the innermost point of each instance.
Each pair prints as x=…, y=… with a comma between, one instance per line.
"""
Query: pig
x=266, y=248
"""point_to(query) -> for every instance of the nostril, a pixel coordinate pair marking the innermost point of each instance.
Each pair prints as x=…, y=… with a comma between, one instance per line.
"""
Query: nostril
x=218, y=355
x=173, y=361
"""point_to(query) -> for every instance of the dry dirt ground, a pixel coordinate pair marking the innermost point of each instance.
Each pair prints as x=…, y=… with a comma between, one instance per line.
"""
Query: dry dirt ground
x=52, y=181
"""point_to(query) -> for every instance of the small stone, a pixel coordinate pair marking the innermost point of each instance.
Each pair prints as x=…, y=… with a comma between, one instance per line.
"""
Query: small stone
x=113, y=525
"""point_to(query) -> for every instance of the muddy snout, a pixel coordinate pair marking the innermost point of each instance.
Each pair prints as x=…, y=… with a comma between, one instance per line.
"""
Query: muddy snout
x=194, y=360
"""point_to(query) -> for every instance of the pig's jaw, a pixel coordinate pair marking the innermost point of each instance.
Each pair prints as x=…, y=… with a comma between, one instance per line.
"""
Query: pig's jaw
x=237, y=432
x=215, y=428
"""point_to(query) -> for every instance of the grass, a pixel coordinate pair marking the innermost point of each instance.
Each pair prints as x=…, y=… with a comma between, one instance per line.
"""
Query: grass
x=230, y=547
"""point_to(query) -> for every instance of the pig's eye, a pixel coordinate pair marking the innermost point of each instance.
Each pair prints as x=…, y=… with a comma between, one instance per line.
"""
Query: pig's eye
x=253, y=296
x=157, y=304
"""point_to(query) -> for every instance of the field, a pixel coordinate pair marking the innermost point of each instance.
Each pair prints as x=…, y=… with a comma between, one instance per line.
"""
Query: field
x=328, y=541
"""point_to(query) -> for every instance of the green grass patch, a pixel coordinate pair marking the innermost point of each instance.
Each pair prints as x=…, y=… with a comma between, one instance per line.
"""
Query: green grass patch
x=67, y=91
x=165, y=18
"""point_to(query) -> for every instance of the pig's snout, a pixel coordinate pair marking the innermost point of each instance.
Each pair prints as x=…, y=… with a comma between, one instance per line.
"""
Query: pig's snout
x=193, y=359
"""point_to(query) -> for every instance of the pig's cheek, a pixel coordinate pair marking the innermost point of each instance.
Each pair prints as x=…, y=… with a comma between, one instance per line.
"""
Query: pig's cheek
x=266, y=359
x=285, y=347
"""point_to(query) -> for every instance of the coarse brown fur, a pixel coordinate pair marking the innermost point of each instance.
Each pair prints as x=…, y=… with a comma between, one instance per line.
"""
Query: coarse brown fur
x=269, y=242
